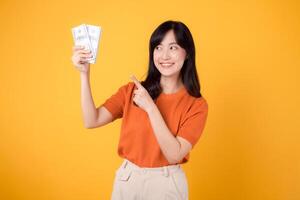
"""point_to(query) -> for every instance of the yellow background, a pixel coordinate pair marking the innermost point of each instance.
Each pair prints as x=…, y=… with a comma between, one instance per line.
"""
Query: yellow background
x=248, y=65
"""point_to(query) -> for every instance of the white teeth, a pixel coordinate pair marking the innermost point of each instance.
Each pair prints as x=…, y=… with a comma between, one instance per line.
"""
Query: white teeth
x=166, y=64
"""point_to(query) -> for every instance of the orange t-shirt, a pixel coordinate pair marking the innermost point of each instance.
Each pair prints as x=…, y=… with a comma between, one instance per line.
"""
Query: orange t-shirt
x=184, y=115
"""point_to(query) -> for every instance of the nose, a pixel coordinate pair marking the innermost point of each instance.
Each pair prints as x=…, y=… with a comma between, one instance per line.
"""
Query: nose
x=165, y=54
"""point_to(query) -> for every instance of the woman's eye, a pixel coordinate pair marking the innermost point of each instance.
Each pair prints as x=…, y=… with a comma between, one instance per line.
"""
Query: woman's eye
x=157, y=48
x=173, y=47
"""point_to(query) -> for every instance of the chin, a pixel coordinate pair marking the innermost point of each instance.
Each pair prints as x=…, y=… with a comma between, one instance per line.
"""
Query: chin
x=168, y=73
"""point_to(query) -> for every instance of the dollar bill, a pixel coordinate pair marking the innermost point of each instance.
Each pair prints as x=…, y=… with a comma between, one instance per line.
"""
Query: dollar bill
x=88, y=36
x=94, y=33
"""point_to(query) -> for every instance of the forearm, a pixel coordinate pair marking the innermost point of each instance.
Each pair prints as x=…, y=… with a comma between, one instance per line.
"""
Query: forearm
x=87, y=103
x=169, y=145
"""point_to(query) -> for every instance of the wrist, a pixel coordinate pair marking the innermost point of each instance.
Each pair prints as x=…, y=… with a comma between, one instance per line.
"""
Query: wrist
x=84, y=74
x=151, y=109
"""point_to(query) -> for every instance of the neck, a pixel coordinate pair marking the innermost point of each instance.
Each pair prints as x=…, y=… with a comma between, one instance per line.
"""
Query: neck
x=170, y=85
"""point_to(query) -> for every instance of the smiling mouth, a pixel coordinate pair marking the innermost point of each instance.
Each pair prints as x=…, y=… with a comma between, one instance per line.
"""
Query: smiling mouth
x=166, y=64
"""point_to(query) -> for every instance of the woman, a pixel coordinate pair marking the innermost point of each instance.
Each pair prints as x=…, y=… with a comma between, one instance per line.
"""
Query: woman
x=163, y=117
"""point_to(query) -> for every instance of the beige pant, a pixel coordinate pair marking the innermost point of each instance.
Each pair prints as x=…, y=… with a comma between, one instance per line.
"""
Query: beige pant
x=160, y=183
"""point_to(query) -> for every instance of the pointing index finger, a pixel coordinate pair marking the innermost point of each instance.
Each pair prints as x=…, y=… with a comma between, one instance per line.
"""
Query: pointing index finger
x=136, y=82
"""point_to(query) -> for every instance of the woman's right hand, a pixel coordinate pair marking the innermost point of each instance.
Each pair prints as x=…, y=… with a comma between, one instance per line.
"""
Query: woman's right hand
x=80, y=57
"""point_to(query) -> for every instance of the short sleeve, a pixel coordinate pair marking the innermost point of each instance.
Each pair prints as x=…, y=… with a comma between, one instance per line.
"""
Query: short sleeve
x=194, y=121
x=116, y=102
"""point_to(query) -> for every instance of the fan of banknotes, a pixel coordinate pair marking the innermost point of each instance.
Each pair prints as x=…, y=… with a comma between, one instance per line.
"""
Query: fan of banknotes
x=88, y=36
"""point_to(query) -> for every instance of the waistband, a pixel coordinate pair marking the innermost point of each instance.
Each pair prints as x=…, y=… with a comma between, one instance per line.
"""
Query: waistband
x=165, y=170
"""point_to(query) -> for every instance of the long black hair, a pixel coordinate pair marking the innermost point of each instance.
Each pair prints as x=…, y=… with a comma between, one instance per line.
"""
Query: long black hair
x=188, y=72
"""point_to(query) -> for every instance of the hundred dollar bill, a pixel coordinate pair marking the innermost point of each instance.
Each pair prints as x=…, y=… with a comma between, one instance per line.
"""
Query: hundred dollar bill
x=94, y=35
x=87, y=36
